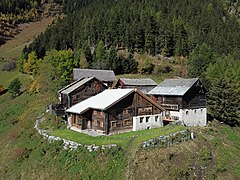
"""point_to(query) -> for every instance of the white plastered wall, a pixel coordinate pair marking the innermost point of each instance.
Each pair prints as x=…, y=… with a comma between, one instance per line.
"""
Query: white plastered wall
x=152, y=122
x=191, y=117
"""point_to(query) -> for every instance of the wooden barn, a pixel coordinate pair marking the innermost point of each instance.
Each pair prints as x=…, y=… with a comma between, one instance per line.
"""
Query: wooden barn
x=116, y=110
x=145, y=84
x=80, y=90
x=183, y=99
x=106, y=76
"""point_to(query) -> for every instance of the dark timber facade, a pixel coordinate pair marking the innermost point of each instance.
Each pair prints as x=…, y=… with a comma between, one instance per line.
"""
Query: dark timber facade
x=183, y=99
x=80, y=90
x=117, y=116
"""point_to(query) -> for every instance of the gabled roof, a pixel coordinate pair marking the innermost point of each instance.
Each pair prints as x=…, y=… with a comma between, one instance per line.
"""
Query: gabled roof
x=139, y=82
x=105, y=100
x=175, y=87
x=76, y=84
x=69, y=85
x=102, y=75
x=101, y=101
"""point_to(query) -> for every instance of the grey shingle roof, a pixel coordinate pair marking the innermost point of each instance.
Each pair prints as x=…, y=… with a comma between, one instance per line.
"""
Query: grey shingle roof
x=102, y=75
x=76, y=84
x=139, y=82
x=176, y=87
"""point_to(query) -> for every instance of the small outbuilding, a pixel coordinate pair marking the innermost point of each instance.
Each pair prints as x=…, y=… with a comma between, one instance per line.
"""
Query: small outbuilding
x=144, y=84
x=116, y=110
x=106, y=76
x=183, y=99
x=80, y=90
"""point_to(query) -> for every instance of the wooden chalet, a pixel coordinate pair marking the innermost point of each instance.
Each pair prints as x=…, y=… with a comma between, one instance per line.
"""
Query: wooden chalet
x=183, y=99
x=106, y=76
x=145, y=84
x=80, y=90
x=116, y=110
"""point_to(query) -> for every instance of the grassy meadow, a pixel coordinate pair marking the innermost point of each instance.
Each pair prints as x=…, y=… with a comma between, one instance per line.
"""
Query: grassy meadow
x=119, y=139
x=7, y=76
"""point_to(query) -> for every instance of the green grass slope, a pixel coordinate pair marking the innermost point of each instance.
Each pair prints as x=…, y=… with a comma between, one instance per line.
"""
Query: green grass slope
x=212, y=155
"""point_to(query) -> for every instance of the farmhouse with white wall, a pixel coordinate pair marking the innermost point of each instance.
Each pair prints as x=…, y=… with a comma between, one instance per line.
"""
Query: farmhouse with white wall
x=116, y=110
x=183, y=100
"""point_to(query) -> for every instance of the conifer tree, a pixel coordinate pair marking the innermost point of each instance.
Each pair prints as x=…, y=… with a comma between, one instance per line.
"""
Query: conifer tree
x=100, y=61
x=224, y=91
x=83, y=61
x=200, y=58
x=14, y=87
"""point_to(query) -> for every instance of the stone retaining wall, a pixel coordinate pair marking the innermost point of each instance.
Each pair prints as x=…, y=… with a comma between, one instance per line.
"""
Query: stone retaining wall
x=68, y=144
x=169, y=140
x=161, y=141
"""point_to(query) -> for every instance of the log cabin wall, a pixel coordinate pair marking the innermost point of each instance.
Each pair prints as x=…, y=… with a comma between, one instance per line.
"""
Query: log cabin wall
x=89, y=89
x=85, y=91
x=64, y=100
x=120, y=84
x=98, y=120
x=169, y=102
x=76, y=121
x=194, y=98
x=120, y=116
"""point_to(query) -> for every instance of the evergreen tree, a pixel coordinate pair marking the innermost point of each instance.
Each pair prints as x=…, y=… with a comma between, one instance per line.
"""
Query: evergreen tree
x=180, y=38
x=83, y=61
x=14, y=87
x=112, y=58
x=132, y=64
x=100, y=61
x=20, y=62
x=200, y=58
x=224, y=91
x=88, y=54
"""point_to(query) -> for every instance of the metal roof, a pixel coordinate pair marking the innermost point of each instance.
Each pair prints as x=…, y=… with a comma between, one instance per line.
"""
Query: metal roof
x=59, y=91
x=71, y=87
x=176, y=87
x=100, y=101
x=139, y=82
x=102, y=75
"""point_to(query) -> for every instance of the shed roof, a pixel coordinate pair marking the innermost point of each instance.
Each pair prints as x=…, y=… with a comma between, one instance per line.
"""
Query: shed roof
x=71, y=87
x=101, y=101
x=102, y=75
x=175, y=87
x=139, y=82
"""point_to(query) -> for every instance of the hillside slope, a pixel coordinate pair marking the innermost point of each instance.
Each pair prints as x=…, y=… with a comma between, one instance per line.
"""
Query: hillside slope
x=12, y=49
x=24, y=154
x=167, y=27
x=212, y=155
